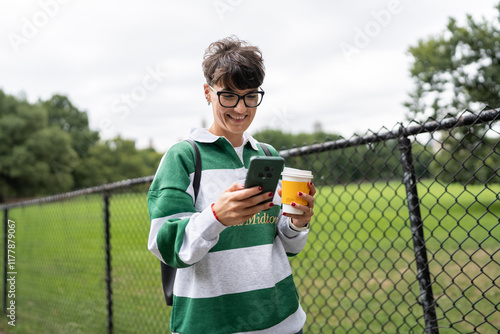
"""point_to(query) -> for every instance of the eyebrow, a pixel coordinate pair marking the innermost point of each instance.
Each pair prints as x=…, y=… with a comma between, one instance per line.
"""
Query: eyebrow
x=224, y=90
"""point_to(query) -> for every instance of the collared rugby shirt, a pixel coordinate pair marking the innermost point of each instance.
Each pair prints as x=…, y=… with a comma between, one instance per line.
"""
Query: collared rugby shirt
x=230, y=279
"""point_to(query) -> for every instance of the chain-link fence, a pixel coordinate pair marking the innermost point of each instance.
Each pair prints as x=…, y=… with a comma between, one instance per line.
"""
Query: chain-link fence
x=406, y=239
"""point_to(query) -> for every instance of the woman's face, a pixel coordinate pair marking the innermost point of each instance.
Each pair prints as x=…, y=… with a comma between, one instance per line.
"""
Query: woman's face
x=230, y=122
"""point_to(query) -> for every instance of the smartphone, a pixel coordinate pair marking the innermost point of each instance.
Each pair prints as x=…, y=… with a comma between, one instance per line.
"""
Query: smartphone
x=264, y=171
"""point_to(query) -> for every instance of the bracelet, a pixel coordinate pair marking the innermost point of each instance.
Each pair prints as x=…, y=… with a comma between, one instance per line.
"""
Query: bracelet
x=213, y=211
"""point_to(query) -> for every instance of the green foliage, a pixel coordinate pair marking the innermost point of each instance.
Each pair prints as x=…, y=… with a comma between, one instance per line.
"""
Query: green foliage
x=63, y=114
x=47, y=148
x=376, y=161
x=118, y=159
x=32, y=151
x=462, y=62
x=468, y=160
x=283, y=140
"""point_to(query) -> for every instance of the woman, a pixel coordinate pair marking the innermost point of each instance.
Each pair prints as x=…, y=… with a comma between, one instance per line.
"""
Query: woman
x=231, y=251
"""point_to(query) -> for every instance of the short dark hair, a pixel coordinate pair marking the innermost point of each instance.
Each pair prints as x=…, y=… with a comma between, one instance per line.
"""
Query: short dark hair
x=233, y=64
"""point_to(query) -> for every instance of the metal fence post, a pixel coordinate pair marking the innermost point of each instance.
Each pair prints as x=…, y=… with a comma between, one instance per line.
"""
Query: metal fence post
x=5, y=229
x=107, y=245
x=417, y=231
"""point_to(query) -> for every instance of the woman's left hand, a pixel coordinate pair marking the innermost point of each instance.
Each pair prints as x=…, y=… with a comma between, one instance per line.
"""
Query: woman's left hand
x=302, y=220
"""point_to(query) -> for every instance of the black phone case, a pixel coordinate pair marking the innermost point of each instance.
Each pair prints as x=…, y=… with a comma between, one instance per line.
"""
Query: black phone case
x=264, y=172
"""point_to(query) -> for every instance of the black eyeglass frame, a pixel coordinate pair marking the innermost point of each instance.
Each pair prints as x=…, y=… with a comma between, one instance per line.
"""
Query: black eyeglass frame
x=219, y=93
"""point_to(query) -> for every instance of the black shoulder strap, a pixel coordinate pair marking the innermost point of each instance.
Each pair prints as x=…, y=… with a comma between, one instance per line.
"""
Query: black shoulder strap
x=197, y=168
x=265, y=149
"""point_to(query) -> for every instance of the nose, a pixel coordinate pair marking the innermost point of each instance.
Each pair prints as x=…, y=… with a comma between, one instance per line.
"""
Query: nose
x=240, y=107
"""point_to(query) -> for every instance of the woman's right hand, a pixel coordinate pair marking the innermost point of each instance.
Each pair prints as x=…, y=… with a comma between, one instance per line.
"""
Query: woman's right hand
x=237, y=204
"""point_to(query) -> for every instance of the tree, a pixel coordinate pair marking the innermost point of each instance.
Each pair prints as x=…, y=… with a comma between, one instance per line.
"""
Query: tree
x=457, y=69
x=64, y=115
x=283, y=140
x=47, y=148
x=33, y=154
x=118, y=159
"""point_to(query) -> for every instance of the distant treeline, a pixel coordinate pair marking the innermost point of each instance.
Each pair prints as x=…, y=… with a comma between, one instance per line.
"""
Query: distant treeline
x=47, y=147
x=449, y=156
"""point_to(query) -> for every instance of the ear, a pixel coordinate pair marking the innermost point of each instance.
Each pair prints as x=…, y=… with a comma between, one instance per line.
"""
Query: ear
x=206, y=90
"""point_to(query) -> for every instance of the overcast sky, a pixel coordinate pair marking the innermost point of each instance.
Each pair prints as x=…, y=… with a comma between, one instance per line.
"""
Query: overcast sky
x=135, y=66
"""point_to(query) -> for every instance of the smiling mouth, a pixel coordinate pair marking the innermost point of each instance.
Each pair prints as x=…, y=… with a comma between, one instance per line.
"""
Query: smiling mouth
x=237, y=118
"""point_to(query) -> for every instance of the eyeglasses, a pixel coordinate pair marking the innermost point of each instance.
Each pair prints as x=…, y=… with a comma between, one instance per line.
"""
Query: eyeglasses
x=231, y=100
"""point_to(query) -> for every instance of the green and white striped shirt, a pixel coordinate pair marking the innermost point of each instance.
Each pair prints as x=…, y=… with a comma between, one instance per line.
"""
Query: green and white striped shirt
x=230, y=279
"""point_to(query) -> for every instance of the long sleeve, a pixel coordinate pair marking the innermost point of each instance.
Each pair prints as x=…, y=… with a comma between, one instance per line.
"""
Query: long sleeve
x=179, y=236
x=293, y=241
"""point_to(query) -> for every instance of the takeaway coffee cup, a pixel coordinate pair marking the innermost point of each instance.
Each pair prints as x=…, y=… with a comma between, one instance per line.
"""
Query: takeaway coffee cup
x=293, y=181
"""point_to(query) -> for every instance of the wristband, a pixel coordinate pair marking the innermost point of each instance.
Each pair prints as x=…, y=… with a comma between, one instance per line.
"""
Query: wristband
x=213, y=211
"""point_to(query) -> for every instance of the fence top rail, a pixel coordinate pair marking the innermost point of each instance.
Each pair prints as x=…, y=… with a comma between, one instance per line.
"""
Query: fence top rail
x=87, y=191
x=467, y=118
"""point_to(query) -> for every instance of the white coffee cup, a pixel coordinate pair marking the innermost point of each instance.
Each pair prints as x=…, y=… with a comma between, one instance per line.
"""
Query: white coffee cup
x=294, y=181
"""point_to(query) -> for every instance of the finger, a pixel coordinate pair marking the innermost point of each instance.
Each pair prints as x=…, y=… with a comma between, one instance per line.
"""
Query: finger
x=308, y=198
x=251, y=211
x=312, y=188
x=258, y=199
x=303, y=208
x=264, y=206
x=301, y=220
x=247, y=193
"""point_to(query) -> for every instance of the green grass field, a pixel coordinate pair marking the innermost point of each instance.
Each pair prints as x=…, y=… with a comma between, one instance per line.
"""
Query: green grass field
x=356, y=275
x=358, y=272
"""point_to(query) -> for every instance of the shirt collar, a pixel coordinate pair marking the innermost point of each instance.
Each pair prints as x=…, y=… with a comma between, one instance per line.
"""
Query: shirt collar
x=204, y=136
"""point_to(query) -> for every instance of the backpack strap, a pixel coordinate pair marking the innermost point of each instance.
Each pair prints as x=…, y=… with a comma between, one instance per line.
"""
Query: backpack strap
x=265, y=149
x=197, y=168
